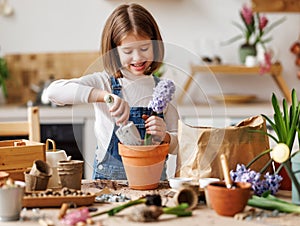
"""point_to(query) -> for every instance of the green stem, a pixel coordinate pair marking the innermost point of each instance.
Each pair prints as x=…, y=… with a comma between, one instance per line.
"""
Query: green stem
x=258, y=157
x=272, y=203
x=148, y=139
x=179, y=211
x=264, y=133
x=113, y=211
x=279, y=168
x=266, y=166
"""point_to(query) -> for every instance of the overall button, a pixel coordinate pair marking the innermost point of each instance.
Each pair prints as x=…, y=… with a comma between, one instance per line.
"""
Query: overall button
x=100, y=167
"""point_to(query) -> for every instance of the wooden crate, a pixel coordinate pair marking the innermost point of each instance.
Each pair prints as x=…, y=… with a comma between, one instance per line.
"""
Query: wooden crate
x=16, y=156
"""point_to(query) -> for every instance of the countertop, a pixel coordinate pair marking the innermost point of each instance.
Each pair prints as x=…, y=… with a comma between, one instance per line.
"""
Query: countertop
x=202, y=215
x=49, y=114
x=80, y=112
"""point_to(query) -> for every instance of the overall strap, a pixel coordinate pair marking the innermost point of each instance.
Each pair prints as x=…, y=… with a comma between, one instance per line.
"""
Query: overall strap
x=116, y=87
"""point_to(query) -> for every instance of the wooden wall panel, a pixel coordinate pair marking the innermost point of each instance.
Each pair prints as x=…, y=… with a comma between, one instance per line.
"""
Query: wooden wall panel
x=28, y=69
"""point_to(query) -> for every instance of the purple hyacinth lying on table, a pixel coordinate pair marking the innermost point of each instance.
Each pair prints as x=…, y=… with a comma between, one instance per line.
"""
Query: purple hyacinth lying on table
x=271, y=182
x=162, y=95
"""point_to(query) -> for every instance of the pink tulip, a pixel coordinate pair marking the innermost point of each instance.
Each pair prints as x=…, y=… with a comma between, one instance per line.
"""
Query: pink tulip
x=247, y=14
x=78, y=215
x=263, y=21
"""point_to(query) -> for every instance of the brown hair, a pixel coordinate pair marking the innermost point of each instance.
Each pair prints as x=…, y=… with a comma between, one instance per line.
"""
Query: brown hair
x=125, y=19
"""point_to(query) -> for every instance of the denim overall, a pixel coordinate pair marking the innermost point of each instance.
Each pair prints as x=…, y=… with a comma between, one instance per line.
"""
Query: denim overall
x=111, y=167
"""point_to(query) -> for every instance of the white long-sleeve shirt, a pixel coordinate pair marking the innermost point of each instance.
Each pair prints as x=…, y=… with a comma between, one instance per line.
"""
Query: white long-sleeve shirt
x=136, y=90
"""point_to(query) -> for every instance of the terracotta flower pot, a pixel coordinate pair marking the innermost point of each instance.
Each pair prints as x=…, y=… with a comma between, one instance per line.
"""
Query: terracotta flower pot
x=228, y=202
x=143, y=164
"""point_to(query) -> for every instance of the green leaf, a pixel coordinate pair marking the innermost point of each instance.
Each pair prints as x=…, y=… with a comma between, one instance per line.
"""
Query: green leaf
x=233, y=39
x=180, y=211
x=266, y=40
x=117, y=209
x=278, y=118
x=293, y=130
x=3, y=69
x=264, y=133
x=272, y=124
x=286, y=113
x=258, y=157
x=272, y=203
x=240, y=27
x=4, y=74
x=278, y=169
x=266, y=166
x=294, y=100
x=274, y=24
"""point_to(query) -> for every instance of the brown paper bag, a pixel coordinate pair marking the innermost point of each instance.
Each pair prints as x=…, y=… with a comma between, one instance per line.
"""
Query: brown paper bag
x=201, y=147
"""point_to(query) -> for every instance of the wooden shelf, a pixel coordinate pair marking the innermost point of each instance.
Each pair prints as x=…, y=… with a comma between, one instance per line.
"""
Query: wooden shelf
x=276, y=5
x=275, y=72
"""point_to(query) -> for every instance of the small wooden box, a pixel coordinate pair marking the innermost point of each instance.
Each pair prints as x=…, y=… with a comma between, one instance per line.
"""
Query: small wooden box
x=16, y=156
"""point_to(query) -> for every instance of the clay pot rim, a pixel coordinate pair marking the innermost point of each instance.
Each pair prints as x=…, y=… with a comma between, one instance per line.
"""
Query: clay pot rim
x=219, y=185
x=141, y=147
x=142, y=151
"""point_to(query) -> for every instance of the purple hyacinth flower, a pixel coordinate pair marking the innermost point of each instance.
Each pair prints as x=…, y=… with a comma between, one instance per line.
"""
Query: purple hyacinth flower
x=162, y=95
x=271, y=182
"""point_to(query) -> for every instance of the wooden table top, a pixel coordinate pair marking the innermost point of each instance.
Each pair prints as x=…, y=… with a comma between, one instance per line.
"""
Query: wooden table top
x=202, y=215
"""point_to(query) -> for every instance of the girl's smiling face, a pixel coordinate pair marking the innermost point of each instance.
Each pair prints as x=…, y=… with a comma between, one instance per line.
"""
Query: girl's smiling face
x=136, y=53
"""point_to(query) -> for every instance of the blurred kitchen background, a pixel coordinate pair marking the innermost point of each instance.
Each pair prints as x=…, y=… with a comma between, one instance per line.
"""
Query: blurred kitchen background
x=51, y=39
x=196, y=27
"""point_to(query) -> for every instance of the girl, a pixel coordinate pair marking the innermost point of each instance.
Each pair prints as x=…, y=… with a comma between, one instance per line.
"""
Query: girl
x=132, y=50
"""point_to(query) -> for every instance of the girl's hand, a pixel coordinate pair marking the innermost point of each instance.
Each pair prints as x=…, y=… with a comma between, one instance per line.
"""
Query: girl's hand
x=156, y=126
x=119, y=110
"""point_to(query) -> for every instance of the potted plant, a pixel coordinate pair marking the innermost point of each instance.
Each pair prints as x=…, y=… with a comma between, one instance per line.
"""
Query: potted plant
x=3, y=76
x=286, y=125
x=144, y=163
x=254, y=30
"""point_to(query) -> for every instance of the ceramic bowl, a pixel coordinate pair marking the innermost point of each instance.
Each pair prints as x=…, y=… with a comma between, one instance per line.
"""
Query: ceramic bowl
x=203, y=182
x=177, y=182
x=228, y=202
